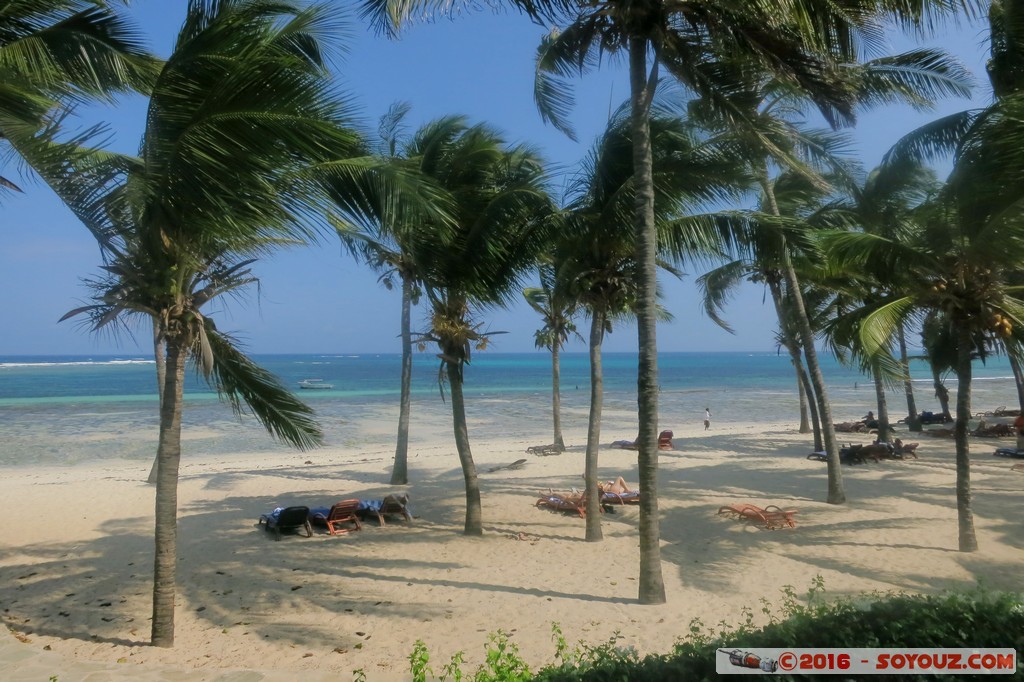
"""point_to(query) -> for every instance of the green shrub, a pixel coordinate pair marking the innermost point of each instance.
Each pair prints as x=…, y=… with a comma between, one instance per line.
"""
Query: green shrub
x=502, y=663
x=974, y=619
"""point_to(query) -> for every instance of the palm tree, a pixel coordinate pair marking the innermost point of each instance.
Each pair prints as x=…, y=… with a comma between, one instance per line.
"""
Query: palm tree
x=557, y=309
x=598, y=256
x=960, y=269
x=238, y=111
x=501, y=210
x=797, y=197
x=54, y=54
x=385, y=239
x=884, y=204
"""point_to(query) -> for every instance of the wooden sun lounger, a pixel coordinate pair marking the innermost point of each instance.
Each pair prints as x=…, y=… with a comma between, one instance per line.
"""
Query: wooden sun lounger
x=770, y=517
x=341, y=513
x=564, y=502
x=396, y=505
x=630, y=497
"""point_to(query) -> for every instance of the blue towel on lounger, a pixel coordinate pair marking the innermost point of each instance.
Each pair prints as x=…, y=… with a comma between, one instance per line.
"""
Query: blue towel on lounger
x=376, y=505
x=272, y=516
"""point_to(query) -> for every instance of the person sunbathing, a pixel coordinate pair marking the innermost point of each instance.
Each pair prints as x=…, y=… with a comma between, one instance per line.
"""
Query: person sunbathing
x=618, y=486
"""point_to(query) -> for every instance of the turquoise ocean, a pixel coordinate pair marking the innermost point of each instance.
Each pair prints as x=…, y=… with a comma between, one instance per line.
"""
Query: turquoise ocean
x=61, y=410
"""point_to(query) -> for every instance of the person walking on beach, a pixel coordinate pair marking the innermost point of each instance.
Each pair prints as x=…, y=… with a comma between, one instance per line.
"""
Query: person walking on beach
x=1018, y=424
x=707, y=418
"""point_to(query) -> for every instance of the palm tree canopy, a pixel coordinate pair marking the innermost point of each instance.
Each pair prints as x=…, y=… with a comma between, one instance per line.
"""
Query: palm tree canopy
x=1006, y=65
x=720, y=49
x=596, y=252
x=796, y=41
x=55, y=54
x=238, y=114
x=243, y=94
x=501, y=209
x=950, y=268
x=382, y=210
x=553, y=301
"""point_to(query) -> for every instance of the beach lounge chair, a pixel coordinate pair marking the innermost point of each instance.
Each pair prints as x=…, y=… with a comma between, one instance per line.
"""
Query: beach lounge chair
x=777, y=517
x=664, y=442
x=739, y=510
x=1008, y=452
x=564, y=502
x=287, y=518
x=770, y=517
x=903, y=450
x=628, y=497
x=818, y=456
x=395, y=505
x=338, y=516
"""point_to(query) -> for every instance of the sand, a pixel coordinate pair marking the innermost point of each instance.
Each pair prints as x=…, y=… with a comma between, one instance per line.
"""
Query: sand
x=76, y=553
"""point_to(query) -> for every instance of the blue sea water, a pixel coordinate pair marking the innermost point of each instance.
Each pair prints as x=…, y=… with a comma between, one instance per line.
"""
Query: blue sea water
x=65, y=409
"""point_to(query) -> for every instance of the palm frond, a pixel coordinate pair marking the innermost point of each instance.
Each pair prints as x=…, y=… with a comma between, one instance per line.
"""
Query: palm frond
x=880, y=325
x=717, y=287
x=933, y=141
x=918, y=78
x=242, y=382
x=563, y=54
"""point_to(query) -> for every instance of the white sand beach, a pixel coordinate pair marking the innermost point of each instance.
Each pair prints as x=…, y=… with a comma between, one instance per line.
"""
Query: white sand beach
x=76, y=553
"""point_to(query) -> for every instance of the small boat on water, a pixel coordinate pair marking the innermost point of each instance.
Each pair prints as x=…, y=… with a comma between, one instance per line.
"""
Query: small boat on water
x=315, y=384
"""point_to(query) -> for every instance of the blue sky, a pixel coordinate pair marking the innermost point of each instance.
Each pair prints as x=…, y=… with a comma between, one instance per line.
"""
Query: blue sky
x=317, y=299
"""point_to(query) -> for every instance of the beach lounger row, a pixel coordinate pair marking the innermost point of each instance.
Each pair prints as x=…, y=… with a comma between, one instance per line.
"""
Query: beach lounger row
x=341, y=518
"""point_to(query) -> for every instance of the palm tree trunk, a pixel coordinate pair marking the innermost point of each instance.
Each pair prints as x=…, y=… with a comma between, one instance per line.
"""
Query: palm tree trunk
x=400, y=472
x=651, y=584
x=883, y=405
x=965, y=517
x=593, y=503
x=166, y=513
x=794, y=353
x=556, y=396
x=474, y=518
x=913, y=418
x=161, y=374
x=805, y=422
x=836, y=493
x=1018, y=379
x=941, y=392
x=812, y=404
